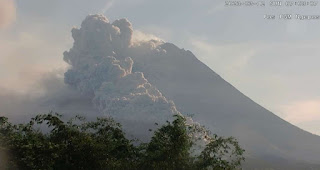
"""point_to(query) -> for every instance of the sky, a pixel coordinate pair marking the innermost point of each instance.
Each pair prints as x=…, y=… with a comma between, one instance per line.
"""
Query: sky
x=275, y=63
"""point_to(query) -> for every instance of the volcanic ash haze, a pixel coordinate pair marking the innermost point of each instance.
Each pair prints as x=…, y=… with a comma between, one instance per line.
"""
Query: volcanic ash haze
x=101, y=68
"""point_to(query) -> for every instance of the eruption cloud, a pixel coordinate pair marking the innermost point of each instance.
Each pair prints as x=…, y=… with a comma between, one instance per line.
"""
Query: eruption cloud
x=105, y=77
x=101, y=67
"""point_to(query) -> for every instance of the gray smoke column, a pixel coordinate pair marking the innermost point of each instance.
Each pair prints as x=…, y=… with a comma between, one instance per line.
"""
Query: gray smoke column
x=102, y=69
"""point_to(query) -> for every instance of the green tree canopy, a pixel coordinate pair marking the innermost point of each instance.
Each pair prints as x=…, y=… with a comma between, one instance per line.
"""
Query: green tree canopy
x=47, y=142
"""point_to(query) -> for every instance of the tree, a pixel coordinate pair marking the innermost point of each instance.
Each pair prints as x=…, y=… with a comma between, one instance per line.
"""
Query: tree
x=86, y=145
x=220, y=153
x=169, y=147
x=47, y=142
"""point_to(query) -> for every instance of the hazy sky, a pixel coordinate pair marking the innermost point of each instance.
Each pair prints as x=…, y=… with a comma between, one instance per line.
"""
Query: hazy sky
x=276, y=63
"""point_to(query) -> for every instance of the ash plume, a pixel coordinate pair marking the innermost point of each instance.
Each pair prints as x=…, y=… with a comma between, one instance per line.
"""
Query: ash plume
x=101, y=67
x=105, y=77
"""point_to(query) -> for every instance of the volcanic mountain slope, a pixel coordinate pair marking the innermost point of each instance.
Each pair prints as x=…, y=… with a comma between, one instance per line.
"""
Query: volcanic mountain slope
x=198, y=90
x=110, y=66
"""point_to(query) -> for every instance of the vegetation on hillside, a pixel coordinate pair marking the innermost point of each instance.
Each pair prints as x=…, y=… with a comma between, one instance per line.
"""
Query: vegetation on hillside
x=47, y=142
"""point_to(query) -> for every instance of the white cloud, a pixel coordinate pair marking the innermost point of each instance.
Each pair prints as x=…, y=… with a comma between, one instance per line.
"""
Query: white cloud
x=305, y=114
x=139, y=36
x=7, y=13
x=107, y=6
x=165, y=33
x=228, y=58
x=25, y=57
x=302, y=111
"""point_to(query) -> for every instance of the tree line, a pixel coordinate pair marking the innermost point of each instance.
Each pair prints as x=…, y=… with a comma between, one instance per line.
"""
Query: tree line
x=101, y=144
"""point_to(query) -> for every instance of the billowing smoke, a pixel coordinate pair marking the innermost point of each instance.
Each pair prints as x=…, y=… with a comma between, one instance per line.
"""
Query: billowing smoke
x=101, y=68
x=106, y=77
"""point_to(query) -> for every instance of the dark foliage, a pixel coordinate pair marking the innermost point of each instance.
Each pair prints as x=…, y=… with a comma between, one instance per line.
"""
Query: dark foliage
x=101, y=144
